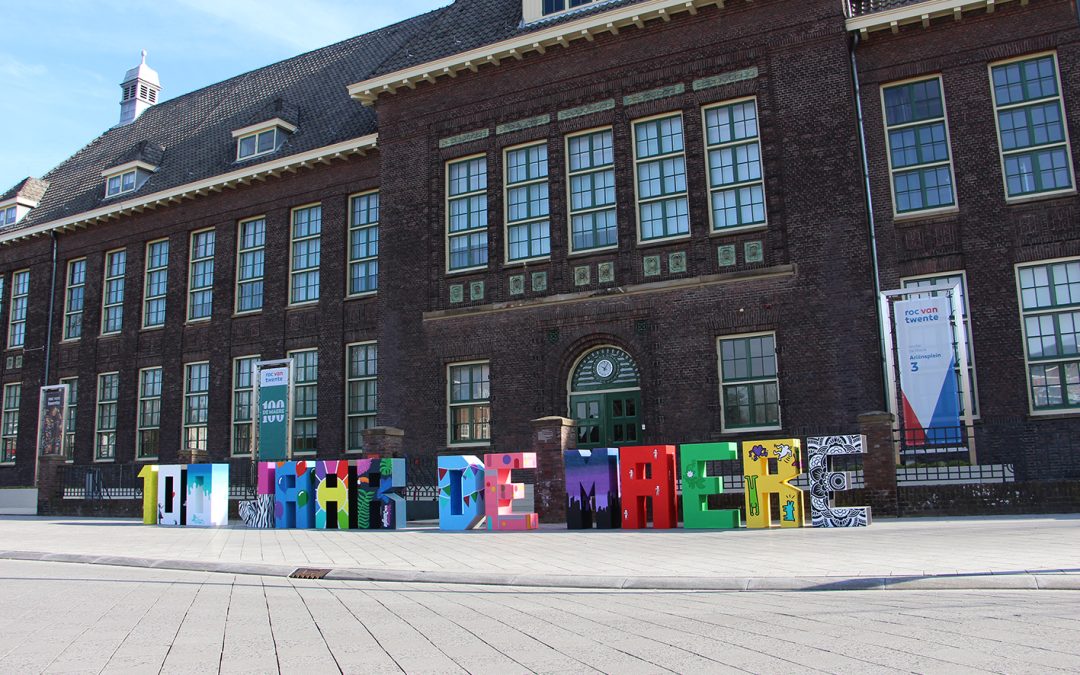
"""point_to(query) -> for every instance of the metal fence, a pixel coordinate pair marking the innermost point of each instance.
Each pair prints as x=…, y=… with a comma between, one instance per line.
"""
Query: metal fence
x=101, y=482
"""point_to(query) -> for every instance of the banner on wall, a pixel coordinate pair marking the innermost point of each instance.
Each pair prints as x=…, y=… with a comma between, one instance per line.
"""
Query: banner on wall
x=273, y=405
x=51, y=419
x=927, y=363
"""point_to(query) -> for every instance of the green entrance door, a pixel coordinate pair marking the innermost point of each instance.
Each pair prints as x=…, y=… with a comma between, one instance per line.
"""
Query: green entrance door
x=605, y=399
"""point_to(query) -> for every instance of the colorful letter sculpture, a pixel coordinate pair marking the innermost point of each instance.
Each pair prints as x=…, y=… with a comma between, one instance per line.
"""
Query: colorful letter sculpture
x=392, y=483
x=697, y=485
x=592, y=489
x=500, y=491
x=760, y=484
x=150, y=501
x=379, y=500
x=824, y=482
x=461, y=492
x=170, y=494
x=647, y=473
x=332, y=496
x=259, y=512
x=294, y=497
x=207, y=495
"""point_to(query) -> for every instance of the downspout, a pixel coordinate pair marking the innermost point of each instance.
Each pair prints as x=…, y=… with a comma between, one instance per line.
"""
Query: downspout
x=52, y=305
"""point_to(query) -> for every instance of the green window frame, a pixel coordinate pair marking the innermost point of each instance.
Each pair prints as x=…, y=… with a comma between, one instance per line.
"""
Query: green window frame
x=201, y=275
x=736, y=168
x=466, y=214
x=660, y=178
x=306, y=255
x=469, y=408
x=75, y=299
x=72, y=407
x=361, y=392
x=590, y=165
x=20, y=293
x=305, y=409
x=243, y=419
x=749, y=382
x=108, y=393
x=157, y=283
x=918, y=146
x=1050, y=315
x=250, y=265
x=1033, y=138
x=196, y=405
x=148, y=433
x=528, y=204
x=112, y=296
x=9, y=438
x=364, y=244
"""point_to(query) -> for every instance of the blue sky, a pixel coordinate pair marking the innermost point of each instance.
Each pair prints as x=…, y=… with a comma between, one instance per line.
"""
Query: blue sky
x=61, y=61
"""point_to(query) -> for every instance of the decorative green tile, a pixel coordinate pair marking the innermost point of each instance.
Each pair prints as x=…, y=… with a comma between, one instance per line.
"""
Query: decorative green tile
x=651, y=265
x=457, y=293
x=538, y=121
x=517, y=284
x=605, y=272
x=588, y=109
x=654, y=94
x=725, y=78
x=539, y=281
x=467, y=137
x=726, y=255
x=754, y=252
x=676, y=262
x=476, y=290
x=582, y=275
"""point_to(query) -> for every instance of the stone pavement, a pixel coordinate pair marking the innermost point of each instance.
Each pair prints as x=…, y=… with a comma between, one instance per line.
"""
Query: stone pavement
x=1037, y=552
x=90, y=619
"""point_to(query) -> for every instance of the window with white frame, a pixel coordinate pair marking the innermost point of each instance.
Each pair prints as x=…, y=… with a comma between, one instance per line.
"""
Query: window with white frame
x=108, y=393
x=120, y=183
x=112, y=312
x=20, y=292
x=1034, y=142
x=364, y=244
x=591, y=170
x=9, y=439
x=74, y=299
x=549, y=7
x=920, y=161
x=72, y=407
x=660, y=169
x=470, y=403
x=251, y=265
x=9, y=215
x=254, y=144
x=466, y=214
x=306, y=254
x=362, y=363
x=749, y=383
x=149, y=423
x=201, y=275
x=736, y=179
x=196, y=405
x=528, y=226
x=915, y=283
x=1050, y=310
x=157, y=283
x=305, y=400
x=243, y=420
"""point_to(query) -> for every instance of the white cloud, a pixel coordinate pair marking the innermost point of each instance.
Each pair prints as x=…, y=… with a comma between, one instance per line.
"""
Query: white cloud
x=11, y=67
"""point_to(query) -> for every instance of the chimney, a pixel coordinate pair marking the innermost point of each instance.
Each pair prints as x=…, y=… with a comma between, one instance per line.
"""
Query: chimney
x=141, y=87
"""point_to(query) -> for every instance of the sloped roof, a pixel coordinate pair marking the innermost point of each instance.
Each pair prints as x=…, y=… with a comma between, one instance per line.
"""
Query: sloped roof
x=28, y=189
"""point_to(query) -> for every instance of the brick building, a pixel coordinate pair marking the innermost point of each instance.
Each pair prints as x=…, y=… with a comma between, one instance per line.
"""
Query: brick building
x=650, y=216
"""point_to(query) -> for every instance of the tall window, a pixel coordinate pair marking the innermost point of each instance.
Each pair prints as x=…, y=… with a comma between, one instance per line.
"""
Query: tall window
x=920, y=163
x=954, y=278
x=72, y=407
x=749, y=385
x=112, y=312
x=364, y=244
x=201, y=275
x=107, y=395
x=591, y=166
x=251, y=265
x=305, y=400
x=660, y=167
x=196, y=405
x=736, y=183
x=467, y=214
x=1030, y=114
x=74, y=299
x=470, y=404
x=10, y=436
x=157, y=282
x=1050, y=305
x=528, y=228
x=306, y=254
x=149, y=432
x=243, y=401
x=362, y=363
x=20, y=291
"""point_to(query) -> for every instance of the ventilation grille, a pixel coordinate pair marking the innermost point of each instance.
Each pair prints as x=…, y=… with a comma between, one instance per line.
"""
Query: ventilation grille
x=309, y=573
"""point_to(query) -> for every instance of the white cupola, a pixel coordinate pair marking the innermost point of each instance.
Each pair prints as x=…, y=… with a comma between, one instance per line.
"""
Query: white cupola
x=141, y=87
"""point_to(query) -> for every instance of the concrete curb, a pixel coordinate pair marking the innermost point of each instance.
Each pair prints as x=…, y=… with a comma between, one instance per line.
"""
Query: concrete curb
x=975, y=582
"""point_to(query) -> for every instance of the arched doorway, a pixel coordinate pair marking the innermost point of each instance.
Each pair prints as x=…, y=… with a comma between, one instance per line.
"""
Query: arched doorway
x=605, y=398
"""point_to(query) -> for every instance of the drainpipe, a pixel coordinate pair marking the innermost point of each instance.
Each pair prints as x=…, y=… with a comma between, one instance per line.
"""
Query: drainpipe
x=52, y=304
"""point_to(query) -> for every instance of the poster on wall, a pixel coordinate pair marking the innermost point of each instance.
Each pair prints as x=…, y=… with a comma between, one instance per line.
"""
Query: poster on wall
x=51, y=420
x=273, y=406
x=927, y=363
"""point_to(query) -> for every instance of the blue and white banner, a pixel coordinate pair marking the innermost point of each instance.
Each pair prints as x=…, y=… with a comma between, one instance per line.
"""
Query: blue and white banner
x=927, y=361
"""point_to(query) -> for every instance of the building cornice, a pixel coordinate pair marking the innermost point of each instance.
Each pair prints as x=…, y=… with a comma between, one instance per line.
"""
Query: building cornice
x=245, y=176
x=263, y=126
x=122, y=168
x=919, y=12
x=559, y=35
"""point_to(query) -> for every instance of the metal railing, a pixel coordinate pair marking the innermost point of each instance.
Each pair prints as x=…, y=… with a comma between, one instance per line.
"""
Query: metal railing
x=101, y=482
x=863, y=7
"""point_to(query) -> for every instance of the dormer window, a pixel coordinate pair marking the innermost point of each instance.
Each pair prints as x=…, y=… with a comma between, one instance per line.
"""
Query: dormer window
x=261, y=139
x=534, y=10
x=8, y=215
x=556, y=6
x=126, y=177
x=121, y=184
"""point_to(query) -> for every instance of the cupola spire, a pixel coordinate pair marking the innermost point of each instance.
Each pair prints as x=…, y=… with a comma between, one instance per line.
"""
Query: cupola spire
x=140, y=88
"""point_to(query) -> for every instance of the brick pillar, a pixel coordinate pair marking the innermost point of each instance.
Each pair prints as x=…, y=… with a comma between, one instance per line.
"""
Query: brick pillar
x=50, y=488
x=551, y=436
x=191, y=456
x=879, y=464
x=384, y=441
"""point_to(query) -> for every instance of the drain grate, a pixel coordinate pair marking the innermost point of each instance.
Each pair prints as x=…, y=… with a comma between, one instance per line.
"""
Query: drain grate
x=309, y=573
